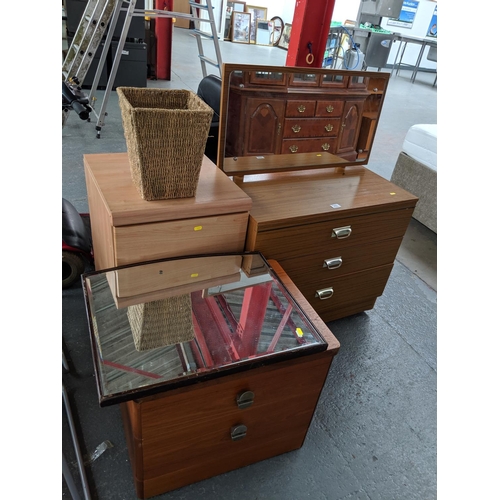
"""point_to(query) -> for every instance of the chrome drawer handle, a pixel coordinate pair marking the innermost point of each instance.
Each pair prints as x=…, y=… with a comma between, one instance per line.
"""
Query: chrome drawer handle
x=324, y=294
x=334, y=263
x=296, y=128
x=294, y=149
x=329, y=127
x=301, y=108
x=341, y=232
x=325, y=146
x=245, y=399
x=238, y=432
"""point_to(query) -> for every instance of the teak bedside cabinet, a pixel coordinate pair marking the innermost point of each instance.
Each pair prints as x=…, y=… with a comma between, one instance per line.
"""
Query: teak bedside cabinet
x=127, y=229
x=243, y=390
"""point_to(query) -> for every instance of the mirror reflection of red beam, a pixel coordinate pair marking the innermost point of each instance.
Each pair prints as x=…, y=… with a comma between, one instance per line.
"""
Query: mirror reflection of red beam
x=253, y=313
x=279, y=330
x=290, y=322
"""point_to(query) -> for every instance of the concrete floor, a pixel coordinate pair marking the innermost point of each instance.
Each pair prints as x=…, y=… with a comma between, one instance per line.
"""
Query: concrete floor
x=374, y=431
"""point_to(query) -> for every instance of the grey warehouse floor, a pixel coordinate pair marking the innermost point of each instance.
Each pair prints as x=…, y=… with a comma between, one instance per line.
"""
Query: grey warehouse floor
x=374, y=433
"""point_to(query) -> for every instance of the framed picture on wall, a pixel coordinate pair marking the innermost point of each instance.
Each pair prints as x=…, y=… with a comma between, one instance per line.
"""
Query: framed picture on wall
x=285, y=36
x=240, y=28
x=256, y=13
x=230, y=8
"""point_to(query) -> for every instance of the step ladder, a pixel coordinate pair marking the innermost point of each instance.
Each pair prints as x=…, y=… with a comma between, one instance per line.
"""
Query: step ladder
x=87, y=38
x=200, y=34
x=92, y=27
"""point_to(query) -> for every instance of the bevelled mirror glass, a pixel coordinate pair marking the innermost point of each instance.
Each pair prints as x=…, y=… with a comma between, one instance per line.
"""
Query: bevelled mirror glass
x=277, y=118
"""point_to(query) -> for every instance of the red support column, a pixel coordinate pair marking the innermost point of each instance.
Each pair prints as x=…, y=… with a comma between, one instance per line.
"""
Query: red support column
x=163, y=31
x=310, y=28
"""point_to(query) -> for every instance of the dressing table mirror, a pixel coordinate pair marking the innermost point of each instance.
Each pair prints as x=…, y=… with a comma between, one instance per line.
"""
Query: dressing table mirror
x=286, y=136
x=277, y=118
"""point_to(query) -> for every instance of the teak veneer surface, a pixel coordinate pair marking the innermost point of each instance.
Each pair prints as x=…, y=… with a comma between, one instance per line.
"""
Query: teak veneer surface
x=214, y=196
x=295, y=197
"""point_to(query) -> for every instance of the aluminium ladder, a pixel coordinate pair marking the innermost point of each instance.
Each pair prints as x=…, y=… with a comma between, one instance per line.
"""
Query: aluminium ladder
x=91, y=30
x=200, y=35
x=86, y=41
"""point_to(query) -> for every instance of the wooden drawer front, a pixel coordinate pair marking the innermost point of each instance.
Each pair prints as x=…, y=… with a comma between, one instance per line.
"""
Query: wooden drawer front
x=311, y=239
x=189, y=432
x=309, y=145
x=347, y=289
x=143, y=242
x=329, y=108
x=320, y=127
x=349, y=260
x=300, y=109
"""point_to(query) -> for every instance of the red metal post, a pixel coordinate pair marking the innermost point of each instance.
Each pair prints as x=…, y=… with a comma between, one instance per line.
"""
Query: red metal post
x=163, y=32
x=310, y=28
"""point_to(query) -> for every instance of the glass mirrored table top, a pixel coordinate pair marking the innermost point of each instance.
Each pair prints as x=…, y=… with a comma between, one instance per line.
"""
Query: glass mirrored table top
x=173, y=322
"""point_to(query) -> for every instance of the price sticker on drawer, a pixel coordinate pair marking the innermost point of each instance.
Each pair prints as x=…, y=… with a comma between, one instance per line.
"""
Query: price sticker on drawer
x=194, y=275
x=198, y=228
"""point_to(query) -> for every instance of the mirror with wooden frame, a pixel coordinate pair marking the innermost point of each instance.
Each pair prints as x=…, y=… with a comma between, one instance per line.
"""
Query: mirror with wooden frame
x=277, y=118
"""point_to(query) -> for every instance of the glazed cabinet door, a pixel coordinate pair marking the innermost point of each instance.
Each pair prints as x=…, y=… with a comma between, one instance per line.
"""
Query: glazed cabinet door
x=263, y=126
x=351, y=123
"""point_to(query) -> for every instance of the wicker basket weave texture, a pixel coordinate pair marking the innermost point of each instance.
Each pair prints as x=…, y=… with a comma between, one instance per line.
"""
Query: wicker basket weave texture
x=161, y=322
x=166, y=133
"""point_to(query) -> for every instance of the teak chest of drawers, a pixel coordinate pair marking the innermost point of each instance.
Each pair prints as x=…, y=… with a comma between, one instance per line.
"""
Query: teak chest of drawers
x=335, y=232
x=244, y=389
x=127, y=229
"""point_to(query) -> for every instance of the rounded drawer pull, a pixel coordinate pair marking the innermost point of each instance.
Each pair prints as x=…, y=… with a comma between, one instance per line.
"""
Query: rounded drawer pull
x=329, y=109
x=294, y=148
x=324, y=294
x=301, y=108
x=296, y=128
x=245, y=399
x=329, y=127
x=341, y=232
x=334, y=263
x=238, y=432
x=325, y=146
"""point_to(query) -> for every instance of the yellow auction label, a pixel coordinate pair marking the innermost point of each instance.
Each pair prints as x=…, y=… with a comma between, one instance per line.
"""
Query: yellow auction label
x=299, y=332
x=198, y=228
x=194, y=275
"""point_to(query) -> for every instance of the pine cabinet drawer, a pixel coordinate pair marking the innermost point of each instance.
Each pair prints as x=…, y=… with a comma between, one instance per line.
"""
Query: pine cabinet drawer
x=331, y=237
x=318, y=127
x=331, y=264
x=143, y=242
x=309, y=145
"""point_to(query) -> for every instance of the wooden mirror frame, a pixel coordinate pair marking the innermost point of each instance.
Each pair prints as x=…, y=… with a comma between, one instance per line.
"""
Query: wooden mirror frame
x=366, y=90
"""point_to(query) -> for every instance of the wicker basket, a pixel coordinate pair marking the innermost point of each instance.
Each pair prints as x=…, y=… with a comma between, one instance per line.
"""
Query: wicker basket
x=161, y=322
x=166, y=133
